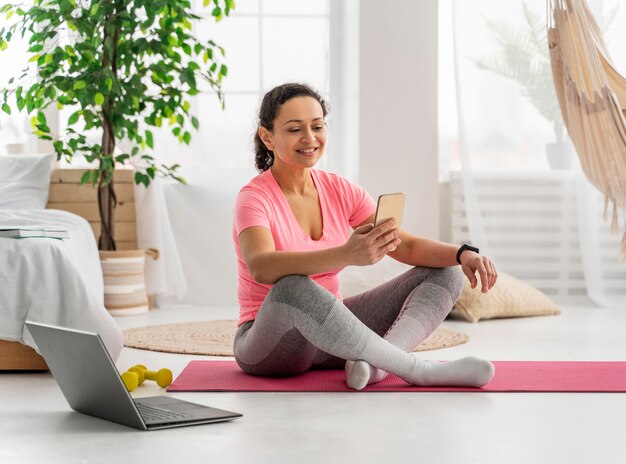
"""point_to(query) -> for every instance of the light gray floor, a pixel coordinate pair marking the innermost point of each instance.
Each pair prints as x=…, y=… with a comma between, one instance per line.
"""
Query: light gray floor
x=36, y=424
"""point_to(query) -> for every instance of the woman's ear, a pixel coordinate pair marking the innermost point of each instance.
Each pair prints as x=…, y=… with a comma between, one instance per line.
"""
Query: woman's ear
x=266, y=138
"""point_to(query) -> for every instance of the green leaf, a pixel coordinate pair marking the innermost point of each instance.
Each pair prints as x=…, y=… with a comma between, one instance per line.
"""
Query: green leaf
x=194, y=122
x=94, y=9
x=41, y=117
x=78, y=85
x=90, y=176
x=141, y=178
x=205, y=3
x=187, y=137
x=3, y=44
x=91, y=158
x=6, y=108
x=149, y=140
x=99, y=99
x=73, y=118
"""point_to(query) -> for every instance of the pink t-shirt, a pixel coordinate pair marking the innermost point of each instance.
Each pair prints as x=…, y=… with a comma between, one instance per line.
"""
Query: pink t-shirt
x=262, y=203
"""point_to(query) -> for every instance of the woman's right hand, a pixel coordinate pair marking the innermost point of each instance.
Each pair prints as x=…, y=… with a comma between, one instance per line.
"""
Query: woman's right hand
x=368, y=244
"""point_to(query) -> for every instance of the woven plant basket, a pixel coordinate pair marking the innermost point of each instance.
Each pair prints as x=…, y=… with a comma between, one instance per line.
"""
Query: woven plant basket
x=124, y=281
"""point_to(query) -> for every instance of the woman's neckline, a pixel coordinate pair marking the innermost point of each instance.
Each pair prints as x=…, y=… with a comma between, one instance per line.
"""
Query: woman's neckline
x=320, y=197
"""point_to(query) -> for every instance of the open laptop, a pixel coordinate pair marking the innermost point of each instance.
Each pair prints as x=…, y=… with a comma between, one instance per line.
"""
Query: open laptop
x=88, y=378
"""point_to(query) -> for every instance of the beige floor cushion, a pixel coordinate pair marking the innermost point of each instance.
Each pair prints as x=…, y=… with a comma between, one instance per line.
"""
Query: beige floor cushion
x=510, y=297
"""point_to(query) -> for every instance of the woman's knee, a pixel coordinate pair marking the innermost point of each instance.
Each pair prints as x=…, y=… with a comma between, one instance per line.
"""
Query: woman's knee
x=299, y=291
x=287, y=289
x=451, y=278
x=291, y=281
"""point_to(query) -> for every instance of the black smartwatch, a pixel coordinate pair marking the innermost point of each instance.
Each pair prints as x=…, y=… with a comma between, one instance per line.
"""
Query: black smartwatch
x=464, y=247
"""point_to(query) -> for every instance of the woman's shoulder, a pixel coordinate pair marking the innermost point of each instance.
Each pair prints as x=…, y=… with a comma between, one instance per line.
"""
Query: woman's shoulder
x=258, y=189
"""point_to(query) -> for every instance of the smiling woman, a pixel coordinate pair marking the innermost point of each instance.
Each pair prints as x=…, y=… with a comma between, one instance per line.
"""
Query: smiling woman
x=302, y=135
x=292, y=237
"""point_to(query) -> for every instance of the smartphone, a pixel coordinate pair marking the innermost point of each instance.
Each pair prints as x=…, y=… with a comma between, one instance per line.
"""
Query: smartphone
x=390, y=205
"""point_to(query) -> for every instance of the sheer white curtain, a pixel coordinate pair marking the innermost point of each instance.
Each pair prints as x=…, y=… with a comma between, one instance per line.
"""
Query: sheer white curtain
x=517, y=191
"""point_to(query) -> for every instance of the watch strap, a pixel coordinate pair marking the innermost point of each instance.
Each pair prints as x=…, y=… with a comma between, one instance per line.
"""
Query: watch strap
x=463, y=248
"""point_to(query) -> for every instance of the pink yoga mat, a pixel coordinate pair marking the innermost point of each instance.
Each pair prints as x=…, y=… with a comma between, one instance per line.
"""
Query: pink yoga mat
x=511, y=376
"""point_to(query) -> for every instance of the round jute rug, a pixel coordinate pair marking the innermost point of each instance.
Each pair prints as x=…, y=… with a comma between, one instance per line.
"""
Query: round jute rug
x=215, y=338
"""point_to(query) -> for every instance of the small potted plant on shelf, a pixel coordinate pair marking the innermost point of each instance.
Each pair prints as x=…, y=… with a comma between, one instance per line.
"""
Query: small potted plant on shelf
x=123, y=67
x=523, y=56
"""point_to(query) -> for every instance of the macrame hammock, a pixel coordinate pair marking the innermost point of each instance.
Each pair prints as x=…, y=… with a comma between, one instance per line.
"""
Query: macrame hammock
x=592, y=97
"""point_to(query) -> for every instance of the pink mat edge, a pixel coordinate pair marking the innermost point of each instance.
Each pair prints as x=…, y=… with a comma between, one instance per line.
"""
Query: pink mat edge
x=402, y=389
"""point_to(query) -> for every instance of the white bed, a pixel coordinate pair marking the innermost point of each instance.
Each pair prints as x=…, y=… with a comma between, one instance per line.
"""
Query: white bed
x=52, y=281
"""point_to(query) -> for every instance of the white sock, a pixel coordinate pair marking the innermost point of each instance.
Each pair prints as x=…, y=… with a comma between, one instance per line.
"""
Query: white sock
x=465, y=372
x=361, y=373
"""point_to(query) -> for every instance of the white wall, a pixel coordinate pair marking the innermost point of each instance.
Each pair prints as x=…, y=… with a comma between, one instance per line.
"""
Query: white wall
x=398, y=106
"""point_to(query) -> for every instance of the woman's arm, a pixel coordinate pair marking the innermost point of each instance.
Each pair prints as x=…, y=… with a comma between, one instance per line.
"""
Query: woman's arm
x=367, y=245
x=418, y=251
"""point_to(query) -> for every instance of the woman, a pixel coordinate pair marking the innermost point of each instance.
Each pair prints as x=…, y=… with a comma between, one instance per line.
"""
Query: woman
x=292, y=236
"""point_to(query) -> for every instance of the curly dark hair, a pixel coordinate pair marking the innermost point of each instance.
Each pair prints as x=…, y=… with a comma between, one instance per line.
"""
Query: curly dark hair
x=272, y=101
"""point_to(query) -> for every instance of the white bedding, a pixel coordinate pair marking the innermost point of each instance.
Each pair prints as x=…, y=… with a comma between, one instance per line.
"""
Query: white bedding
x=53, y=281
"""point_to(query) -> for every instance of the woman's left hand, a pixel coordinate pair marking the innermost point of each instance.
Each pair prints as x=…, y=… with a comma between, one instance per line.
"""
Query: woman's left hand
x=471, y=263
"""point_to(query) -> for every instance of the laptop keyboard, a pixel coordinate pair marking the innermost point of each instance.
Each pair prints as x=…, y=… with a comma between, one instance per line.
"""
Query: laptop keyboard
x=152, y=414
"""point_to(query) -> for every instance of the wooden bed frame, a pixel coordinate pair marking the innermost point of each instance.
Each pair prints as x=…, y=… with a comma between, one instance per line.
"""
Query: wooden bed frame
x=67, y=194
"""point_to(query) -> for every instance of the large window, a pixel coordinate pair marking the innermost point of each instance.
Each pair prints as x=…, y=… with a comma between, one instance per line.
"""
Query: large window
x=504, y=117
x=267, y=42
x=15, y=131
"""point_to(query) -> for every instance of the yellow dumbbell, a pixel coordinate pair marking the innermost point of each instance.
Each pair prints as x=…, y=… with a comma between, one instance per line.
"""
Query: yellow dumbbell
x=131, y=380
x=140, y=370
x=163, y=377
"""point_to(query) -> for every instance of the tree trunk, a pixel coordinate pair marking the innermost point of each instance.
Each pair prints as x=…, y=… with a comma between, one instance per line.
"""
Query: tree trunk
x=107, y=200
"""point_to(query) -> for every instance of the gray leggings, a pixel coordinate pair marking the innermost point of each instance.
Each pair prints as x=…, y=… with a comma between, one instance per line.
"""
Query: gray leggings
x=302, y=326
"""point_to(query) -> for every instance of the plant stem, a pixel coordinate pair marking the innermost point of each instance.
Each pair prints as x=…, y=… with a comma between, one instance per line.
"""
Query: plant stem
x=107, y=200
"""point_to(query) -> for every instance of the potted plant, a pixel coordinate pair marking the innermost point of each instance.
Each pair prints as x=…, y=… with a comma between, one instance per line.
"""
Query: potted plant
x=124, y=67
x=523, y=56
